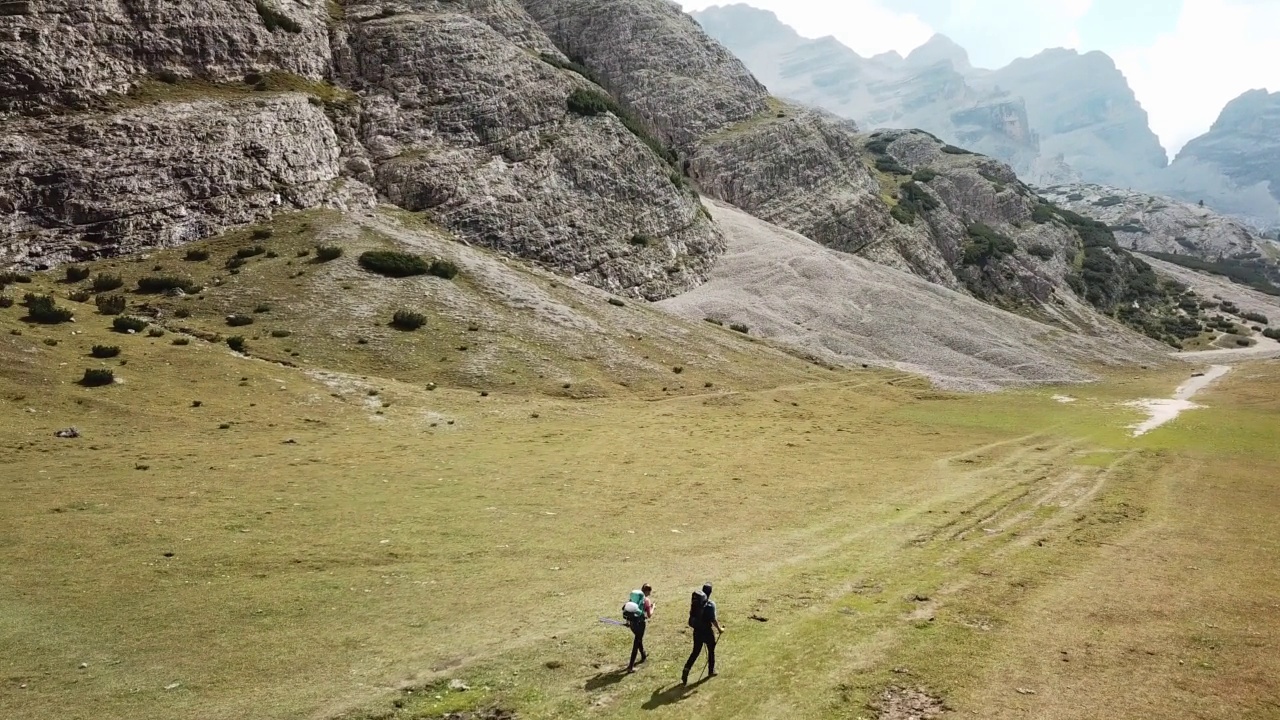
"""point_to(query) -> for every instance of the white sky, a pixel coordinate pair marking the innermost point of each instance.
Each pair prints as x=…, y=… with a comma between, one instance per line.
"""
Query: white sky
x=1183, y=76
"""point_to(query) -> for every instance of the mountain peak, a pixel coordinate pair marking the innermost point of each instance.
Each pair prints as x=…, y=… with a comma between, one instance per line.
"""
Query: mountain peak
x=940, y=48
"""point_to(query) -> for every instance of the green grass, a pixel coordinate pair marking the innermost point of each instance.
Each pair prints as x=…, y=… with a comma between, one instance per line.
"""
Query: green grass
x=344, y=543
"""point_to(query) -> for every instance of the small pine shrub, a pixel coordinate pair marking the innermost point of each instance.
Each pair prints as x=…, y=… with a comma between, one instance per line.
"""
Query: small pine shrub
x=1044, y=252
x=739, y=327
x=677, y=369
x=163, y=283
x=953, y=150
x=235, y=263
x=155, y=332
x=97, y=377
x=182, y=313
x=80, y=296
x=103, y=282
x=408, y=320
x=280, y=333
x=77, y=274
x=1272, y=333
x=271, y=255
x=327, y=253
x=9, y=277
x=6, y=301
x=307, y=251
x=110, y=304
x=923, y=175
x=263, y=234
x=127, y=323
x=1243, y=342
x=182, y=341
x=889, y=165
x=391, y=263
x=617, y=302
x=102, y=352
x=714, y=321
x=196, y=255
x=262, y=308
x=239, y=320
x=249, y=252
x=43, y=309
x=236, y=342
x=442, y=268
x=1256, y=317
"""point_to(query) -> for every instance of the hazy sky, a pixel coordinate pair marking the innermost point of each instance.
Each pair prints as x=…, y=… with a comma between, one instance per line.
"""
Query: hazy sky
x=1185, y=59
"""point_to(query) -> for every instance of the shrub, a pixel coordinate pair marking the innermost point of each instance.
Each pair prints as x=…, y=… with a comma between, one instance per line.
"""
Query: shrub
x=43, y=309
x=280, y=333
x=239, y=320
x=641, y=240
x=889, y=165
x=163, y=283
x=9, y=277
x=236, y=342
x=589, y=103
x=263, y=233
x=97, y=377
x=902, y=214
x=262, y=308
x=569, y=65
x=1042, y=213
x=106, y=283
x=617, y=302
x=327, y=253
x=393, y=264
x=110, y=304
x=1108, y=201
x=307, y=251
x=739, y=327
x=103, y=352
x=953, y=150
x=182, y=313
x=155, y=332
x=1273, y=333
x=442, y=268
x=234, y=264
x=274, y=20
x=196, y=255
x=1044, y=252
x=126, y=323
x=6, y=301
x=407, y=320
x=80, y=296
x=1256, y=317
x=251, y=251
x=985, y=245
x=1243, y=342
x=923, y=175
x=677, y=369
x=182, y=341
x=714, y=321
x=76, y=274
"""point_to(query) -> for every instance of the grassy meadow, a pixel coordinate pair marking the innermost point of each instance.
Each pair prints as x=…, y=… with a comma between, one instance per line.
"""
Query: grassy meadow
x=323, y=528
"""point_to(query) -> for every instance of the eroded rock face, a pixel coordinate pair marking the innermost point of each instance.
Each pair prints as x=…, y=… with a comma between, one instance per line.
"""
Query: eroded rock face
x=1150, y=223
x=89, y=185
x=656, y=60
x=56, y=54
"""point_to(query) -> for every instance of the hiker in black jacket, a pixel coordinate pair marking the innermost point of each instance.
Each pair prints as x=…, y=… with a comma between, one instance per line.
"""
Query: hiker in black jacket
x=705, y=624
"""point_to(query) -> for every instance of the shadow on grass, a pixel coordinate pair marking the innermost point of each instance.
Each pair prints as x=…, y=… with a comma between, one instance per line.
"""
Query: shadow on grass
x=605, y=679
x=671, y=695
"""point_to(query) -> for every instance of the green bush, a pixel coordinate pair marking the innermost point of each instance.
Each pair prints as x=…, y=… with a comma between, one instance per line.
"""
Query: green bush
x=76, y=273
x=239, y=320
x=442, y=268
x=1255, y=317
x=714, y=321
x=236, y=342
x=408, y=320
x=251, y=251
x=97, y=377
x=6, y=301
x=126, y=323
x=1244, y=342
x=262, y=308
x=79, y=296
x=155, y=332
x=196, y=255
x=263, y=233
x=1042, y=213
x=1273, y=333
x=393, y=264
x=110, y=304
x=103, y=282
x=570, y=65
x=889, y=165
x=234, y=263
x=104, y=351
x=1044, y=252
x=182, y=313
x=924, y=175
x=986, y=245
x=327, y=253
x=739, y=327
x=164, y=283
x=274, y=20
x=280, y=333
x=43, y=309
x=590, y=102
x=9, y=277
x=1109, y=201
x=1246, y=272
x=902, y=214
x=182, y=341
x=879, y=145
x=953, y=150
x=617, y=302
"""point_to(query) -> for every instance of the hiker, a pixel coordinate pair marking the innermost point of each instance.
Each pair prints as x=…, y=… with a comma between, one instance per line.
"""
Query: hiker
x=705, y=624
x=637, y=618
x=647, y=589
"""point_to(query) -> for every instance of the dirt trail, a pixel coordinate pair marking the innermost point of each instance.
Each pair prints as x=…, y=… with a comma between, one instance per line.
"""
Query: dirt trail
x=1161, y=411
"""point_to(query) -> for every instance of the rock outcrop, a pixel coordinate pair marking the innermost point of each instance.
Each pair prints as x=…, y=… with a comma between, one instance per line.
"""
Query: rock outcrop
x=1235, y=167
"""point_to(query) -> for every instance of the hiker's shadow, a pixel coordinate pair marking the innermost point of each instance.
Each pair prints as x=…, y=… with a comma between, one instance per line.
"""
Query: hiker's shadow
x=671, y=695
x=605, y=679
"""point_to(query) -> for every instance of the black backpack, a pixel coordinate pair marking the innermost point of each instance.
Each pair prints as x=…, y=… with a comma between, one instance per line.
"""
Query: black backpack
x=696, y=605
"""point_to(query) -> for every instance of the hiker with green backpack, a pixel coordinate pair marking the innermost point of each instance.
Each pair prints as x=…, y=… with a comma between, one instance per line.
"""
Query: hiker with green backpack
x=705, y=624
x=635, y=611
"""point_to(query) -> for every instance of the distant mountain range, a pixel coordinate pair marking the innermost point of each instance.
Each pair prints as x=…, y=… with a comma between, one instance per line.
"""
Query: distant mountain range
x=1058, y=117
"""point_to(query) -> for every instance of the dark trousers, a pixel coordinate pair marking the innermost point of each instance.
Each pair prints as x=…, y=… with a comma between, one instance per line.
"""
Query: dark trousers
x=637, y=646
x=698, y=642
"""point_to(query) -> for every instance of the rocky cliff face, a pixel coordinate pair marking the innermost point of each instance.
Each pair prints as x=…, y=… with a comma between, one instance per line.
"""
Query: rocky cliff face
x=1236, y=165
x=130, y=124
x=1150, y=223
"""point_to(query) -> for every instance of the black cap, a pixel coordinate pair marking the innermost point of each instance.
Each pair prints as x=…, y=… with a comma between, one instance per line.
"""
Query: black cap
x=706, y=589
